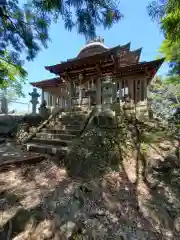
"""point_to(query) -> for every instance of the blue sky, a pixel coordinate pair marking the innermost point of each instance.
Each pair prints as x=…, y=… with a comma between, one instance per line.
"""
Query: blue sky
x=136, y=27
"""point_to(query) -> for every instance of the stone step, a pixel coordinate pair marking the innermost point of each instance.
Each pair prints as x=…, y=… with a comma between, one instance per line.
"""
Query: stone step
x=53, y=142
x=65, y=122
x=46, y=149
x=73, y=113
x=67, y=127
x=55, y=136
x=74, y=110
x=60, y=131
x=72, y=117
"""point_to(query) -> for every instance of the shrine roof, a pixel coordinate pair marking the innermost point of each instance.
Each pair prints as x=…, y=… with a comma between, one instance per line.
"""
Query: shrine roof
x=90, y=55
x=53, y=82
x=142, y=65
x=122, y=71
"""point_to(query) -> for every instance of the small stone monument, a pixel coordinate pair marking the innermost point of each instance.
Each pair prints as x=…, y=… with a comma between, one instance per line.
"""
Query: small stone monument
x=34, y=100
x=4, y=105
x=43, y=110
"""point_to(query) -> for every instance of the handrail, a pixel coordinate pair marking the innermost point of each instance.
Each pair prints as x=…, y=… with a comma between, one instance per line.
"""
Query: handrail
x=88, y=120
x=41, y=126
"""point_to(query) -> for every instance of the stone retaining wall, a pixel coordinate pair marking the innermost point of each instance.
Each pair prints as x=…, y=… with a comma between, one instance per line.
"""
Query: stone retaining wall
x=13, y=125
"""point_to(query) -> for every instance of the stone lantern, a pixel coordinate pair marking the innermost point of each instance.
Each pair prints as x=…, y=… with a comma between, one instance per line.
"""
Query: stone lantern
x=107, y=90
x=34, y=100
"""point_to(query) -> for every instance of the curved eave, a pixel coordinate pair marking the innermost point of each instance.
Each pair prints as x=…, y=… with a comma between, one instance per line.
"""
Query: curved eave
x=132, y=57
x=54, y=82
x=60, y=68
x=152, y=65
x=126, y=46
x=137, y=53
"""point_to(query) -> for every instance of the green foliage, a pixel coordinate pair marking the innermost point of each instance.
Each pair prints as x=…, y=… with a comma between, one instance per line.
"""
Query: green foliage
x=24, y=29
x=21, y=32
x=164, y=96
x=167, y=13
x=84, y=15
x=171, y=51
x=12, y=76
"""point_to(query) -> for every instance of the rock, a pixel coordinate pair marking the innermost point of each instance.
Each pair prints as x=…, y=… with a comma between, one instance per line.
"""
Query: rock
x=155, y=161
x=171, y=161
x=165, y=146
x=68, y=229
x=177, y=224
x=2, y=140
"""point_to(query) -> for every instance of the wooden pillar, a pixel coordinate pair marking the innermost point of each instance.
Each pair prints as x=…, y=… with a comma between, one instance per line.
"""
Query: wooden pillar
x=145, y=89
x=120, y=90
x=42, y=96
x=130, y=88
x=70, y=94
x=135, y=90
x=54, y=100
x=114, y=97
x=61, y=98
x=89, y=98
x=80, y=95
x=98, y=92
x=48, y=99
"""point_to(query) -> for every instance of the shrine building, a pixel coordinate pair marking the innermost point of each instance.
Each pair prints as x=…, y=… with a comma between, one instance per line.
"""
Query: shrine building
x=99, y=75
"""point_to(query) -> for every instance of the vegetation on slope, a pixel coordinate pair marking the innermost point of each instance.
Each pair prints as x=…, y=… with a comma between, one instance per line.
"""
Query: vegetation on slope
x=115, y=182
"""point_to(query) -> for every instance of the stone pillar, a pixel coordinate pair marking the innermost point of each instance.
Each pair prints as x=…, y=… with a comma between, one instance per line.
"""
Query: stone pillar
x=98, y=92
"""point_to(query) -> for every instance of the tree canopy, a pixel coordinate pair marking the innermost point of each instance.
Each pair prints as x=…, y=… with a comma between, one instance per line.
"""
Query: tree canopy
x=167, y=14
x=24, y=29
x=164, y=95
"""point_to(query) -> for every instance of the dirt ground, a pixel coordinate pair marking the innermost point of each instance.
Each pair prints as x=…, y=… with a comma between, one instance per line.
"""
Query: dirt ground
x=42, y=201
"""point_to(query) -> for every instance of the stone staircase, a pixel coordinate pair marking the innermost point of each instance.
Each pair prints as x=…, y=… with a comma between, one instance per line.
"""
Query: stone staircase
x=57, y=134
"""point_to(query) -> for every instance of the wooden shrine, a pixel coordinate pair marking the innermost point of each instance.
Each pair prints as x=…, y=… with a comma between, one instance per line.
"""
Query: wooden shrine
x=99, y=75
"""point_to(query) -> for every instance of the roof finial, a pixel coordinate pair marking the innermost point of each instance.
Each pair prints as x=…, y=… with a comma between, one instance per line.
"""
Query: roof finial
x=96, y=39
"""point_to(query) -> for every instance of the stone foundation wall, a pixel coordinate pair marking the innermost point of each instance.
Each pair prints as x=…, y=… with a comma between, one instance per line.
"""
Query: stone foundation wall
x=139, y=110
